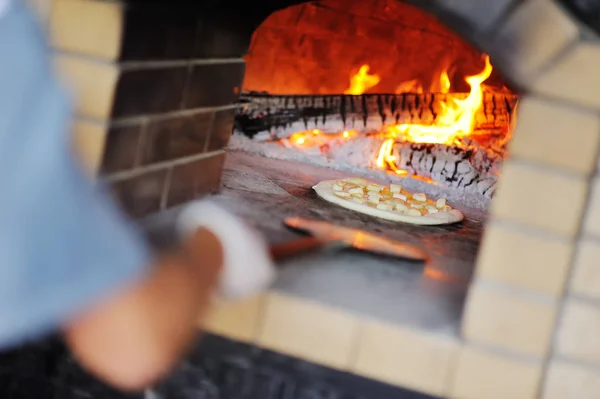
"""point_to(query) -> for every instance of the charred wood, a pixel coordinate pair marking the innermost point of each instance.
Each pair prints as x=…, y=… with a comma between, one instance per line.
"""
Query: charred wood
x=280, y=115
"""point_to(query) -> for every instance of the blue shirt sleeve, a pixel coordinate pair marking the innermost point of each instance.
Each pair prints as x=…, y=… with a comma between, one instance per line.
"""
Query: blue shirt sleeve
x=63, y=243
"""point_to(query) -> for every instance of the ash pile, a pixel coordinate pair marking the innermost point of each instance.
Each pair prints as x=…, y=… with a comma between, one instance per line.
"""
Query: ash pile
x=267, y=123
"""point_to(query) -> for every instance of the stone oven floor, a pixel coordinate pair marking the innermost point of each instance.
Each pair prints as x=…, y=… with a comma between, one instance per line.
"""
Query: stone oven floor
x=264, y=191
x=389, y=319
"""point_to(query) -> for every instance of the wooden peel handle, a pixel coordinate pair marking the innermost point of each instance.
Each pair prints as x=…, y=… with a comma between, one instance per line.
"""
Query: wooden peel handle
x=295, y=247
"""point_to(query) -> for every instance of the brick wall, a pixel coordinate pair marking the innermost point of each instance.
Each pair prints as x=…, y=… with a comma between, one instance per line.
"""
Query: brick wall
x=155, y=86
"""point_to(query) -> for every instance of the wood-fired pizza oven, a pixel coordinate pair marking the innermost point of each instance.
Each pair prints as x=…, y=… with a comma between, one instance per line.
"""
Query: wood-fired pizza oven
x=336, y=87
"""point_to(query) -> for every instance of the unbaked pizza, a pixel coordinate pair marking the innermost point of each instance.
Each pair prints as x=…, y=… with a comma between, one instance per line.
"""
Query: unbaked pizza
x=391, y=202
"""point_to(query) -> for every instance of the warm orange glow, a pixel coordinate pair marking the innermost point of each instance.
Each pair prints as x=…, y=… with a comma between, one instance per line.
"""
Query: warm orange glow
x=362, y=81
x=439, y=85
x=410, y=86
x=456, y=119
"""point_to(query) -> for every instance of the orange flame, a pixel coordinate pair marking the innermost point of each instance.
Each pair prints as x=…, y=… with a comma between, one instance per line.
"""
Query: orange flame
x=456, y=120
x=362, y=81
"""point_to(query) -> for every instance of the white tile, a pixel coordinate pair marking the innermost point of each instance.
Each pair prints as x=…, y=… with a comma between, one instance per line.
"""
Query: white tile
x=573, y=77
x=238, y=320
x=408, y=358
x=509, y=321
x=556, y=135
x=535, y=32
x=578, y=334
x=566, y=380
x=309, y=330
x=488, y=375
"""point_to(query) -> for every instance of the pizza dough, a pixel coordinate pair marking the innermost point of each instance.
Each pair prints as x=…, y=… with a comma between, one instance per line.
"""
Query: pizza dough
x=387, y=202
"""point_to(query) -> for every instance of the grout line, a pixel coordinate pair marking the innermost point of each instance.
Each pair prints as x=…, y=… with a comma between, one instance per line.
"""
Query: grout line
x=566, y=286
x=564, y=103
x=209, y=136
x=536, y=232
x=551, y=63
x=261, y=317
x=448, y=386
x=503, y=18
x=513, y=291
x=587, y=300
x=555, y=170
x=84, y=57
x=357, y=340
x=133, y=120
x=141, y=143
x=513, y=355
x=128, y=174
x=165, y=194
x=145, y=65
x=579, y=363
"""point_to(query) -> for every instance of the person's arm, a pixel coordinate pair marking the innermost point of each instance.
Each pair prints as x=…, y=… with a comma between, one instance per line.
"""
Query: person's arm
x=136, y=335
x=132, y=338
x=70, y=260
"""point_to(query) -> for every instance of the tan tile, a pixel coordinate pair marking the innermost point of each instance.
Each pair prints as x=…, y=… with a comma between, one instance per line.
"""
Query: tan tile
x=485, y=375
x=540, y=197
x=89, y=140
x=525, y=260
x=235, y=320
x=507, y=320
x=565, y=380
x=591, y=219
x=535, y=32
x=572, y=78
x=87, y=27
x=556, y=135
x=407, y=358
x=92, y=83
x=308, y=330
x=585, y=279
x=577, y=335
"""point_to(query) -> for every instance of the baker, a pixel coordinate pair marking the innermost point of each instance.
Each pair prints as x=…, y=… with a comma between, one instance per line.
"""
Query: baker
x=68, y=258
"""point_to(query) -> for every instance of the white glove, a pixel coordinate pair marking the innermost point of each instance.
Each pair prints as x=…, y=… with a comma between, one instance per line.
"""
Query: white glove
x=247, y=266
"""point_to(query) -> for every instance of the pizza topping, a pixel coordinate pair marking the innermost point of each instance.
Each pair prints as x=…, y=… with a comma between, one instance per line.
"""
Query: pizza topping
x=342, y=194
x=357, y=180
x=393, y=198
x=374, y=187
x=401, y=207
x=413, y=212
x=373, y=200
x=419, y=197
x=400, y=196
x=384, y=207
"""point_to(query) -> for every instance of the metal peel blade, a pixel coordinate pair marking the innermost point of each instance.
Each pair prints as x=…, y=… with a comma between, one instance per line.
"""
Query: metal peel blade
x=325, y=233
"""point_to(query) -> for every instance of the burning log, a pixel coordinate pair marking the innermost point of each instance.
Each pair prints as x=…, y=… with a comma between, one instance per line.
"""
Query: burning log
x=366, y=113
x=466, y=165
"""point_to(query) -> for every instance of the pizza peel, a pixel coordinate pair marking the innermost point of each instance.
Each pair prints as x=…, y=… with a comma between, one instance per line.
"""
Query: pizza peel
x=325, y=234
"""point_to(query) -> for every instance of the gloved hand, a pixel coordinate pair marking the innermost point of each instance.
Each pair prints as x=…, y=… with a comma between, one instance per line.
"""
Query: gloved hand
x=247, y=266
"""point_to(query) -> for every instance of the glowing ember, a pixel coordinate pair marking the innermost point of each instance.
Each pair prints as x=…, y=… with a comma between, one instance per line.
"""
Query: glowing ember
x=362, y=81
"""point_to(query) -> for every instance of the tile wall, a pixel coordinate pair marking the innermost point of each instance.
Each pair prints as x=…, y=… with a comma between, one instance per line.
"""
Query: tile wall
x=155, y=86
x=155, y=94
